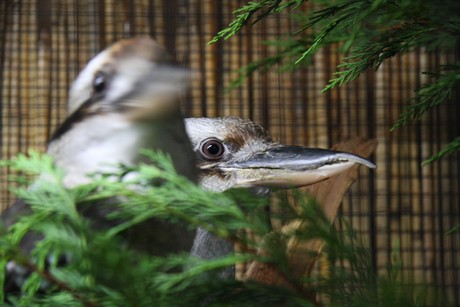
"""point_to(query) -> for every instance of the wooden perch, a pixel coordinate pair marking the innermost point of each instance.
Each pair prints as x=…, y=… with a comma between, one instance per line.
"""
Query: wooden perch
x=329, y=193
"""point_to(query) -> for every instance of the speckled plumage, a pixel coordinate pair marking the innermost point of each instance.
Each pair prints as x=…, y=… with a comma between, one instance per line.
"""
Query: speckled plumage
x=242, y=139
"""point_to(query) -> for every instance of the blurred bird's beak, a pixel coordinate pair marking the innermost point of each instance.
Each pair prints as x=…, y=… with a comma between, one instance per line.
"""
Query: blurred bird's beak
x=157, y=94
x=291, y=166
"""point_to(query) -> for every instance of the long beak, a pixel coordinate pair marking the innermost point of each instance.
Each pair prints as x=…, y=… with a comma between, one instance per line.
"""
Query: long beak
x=291, y=166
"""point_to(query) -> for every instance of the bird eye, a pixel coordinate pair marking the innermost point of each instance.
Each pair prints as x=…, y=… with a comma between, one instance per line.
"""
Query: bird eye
x=212, y=149
x=99, y=82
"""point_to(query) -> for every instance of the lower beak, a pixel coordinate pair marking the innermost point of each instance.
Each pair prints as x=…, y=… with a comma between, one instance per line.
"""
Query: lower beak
x=291, y=166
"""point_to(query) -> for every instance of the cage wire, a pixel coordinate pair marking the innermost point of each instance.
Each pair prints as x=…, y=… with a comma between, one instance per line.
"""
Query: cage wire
x=399, y=206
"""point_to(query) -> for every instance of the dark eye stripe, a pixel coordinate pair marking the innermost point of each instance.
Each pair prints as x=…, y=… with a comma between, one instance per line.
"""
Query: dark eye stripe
x=79, y=115
x=99, y=85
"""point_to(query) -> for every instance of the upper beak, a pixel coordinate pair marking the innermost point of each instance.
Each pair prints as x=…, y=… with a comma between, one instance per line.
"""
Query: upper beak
x=291, y=166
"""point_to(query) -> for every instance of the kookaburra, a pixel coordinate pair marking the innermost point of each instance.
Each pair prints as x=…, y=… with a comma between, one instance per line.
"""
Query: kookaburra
x=232, y=152
x=125, y=99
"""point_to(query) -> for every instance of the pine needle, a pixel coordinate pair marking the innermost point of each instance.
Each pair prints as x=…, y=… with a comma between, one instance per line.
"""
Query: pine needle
x=244, y=14
x=451, y=148
x=439, y=91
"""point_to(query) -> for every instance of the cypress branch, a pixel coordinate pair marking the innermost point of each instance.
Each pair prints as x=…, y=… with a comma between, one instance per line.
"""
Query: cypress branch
x=103, y=270
x=368, y=33
x=374, y=53
x=450, y=148
x=289, y=49
x=447, y=79
x=244, y=14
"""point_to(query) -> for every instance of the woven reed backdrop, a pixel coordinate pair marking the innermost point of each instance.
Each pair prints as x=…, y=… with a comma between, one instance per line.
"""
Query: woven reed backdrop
x=401, y=210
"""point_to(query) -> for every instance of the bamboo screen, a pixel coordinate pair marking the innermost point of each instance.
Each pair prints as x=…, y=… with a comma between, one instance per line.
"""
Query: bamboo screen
x=401, y=210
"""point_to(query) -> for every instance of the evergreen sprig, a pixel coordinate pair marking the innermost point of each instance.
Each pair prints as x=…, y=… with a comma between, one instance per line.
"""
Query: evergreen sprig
x=103, y=270
x=368, y=33
x=288, y=49
x=439, y=91
x=450, y=148
x=245, y=13
x=374, y=53
x=446, y=82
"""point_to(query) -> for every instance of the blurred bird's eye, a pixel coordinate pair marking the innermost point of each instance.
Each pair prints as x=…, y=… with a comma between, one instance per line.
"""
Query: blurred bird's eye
x=99, y=83
x=212, y=149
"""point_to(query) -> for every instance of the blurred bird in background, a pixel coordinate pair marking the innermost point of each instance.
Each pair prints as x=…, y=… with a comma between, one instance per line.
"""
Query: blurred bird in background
x=234, y=153
x=125, y=99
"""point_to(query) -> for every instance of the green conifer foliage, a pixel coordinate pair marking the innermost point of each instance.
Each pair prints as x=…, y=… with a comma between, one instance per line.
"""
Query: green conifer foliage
x=104, y=270
x=369, y=32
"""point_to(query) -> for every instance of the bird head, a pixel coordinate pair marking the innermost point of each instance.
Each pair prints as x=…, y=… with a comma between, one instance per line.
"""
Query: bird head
x=135, y=76
x=233, y=152
x=125, y=99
